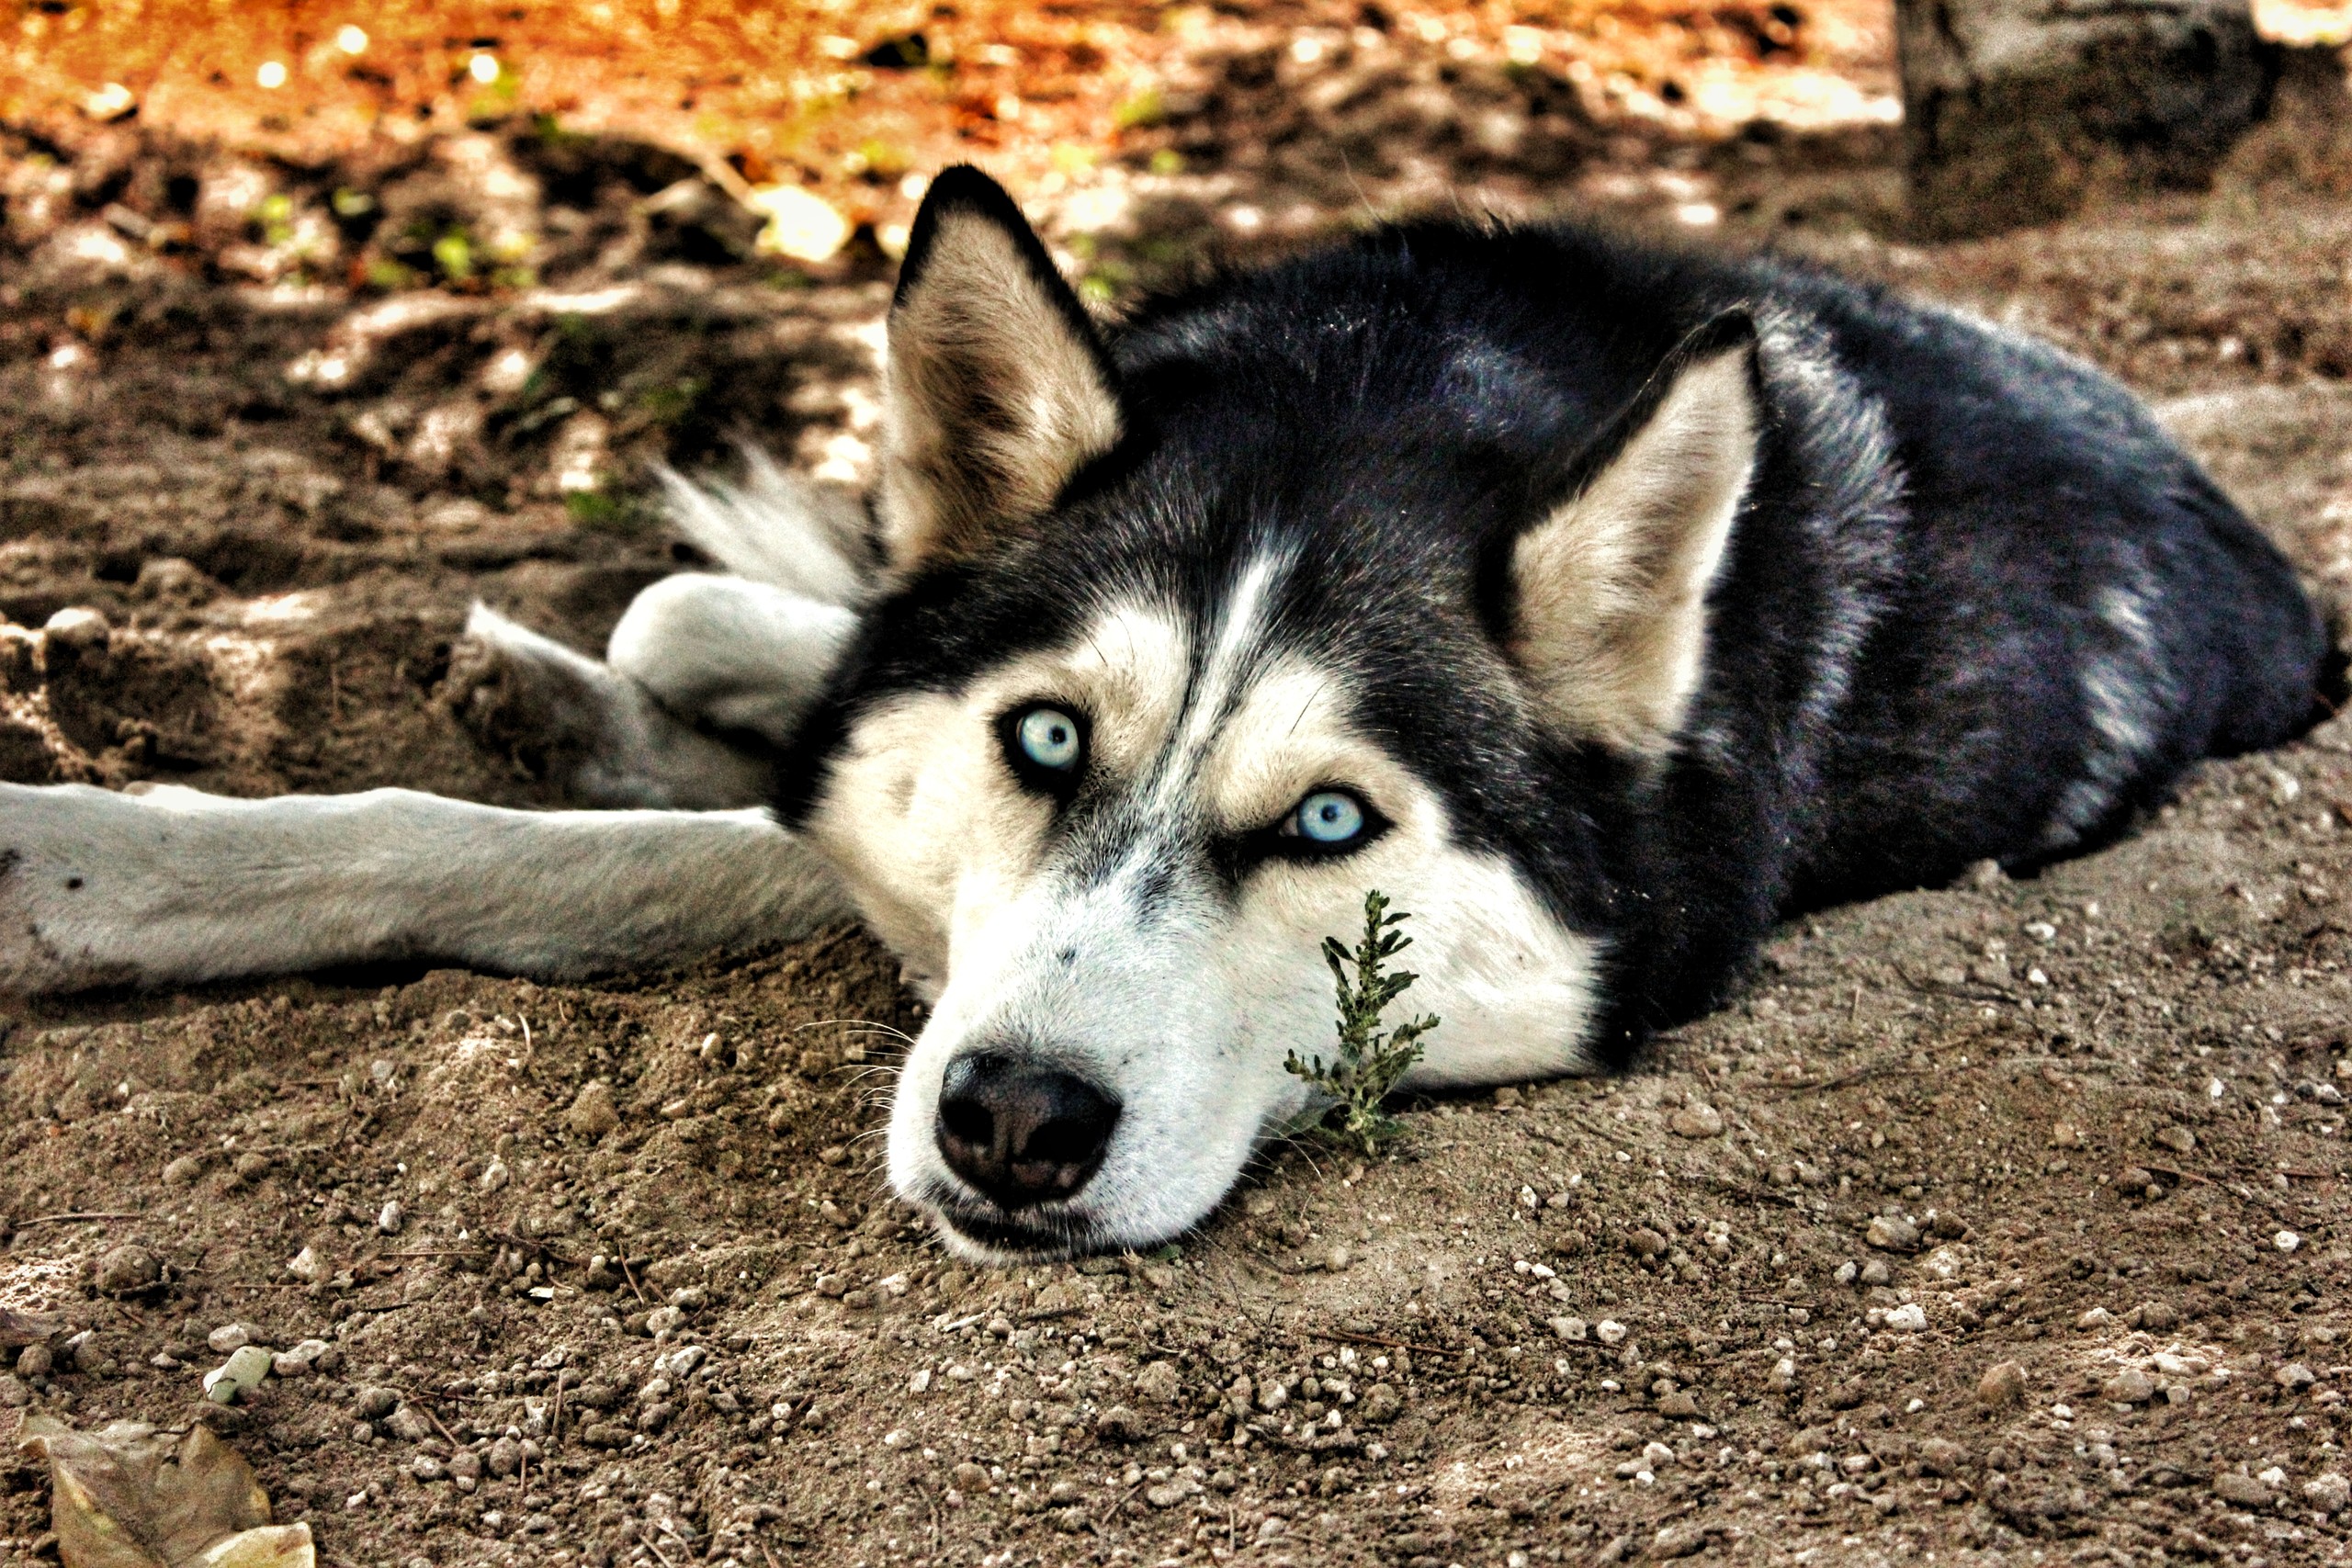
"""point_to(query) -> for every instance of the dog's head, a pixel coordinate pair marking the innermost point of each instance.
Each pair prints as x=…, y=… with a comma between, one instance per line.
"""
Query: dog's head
x=1187, y=648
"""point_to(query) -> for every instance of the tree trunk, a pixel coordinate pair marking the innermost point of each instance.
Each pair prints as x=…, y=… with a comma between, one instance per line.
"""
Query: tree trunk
x=2014, y=108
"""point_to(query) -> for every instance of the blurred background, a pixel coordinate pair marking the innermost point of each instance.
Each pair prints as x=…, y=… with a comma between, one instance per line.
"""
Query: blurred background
x=318, y=319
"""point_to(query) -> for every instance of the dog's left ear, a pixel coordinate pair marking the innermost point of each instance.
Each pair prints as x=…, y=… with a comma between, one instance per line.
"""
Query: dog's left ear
x=1607, y=589
x=999, y=388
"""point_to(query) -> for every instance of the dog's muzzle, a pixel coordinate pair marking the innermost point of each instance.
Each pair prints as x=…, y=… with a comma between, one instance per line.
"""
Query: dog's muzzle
x=1021, y=1134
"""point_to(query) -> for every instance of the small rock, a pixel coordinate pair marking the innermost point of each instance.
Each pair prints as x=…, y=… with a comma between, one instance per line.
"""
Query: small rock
x=2002, y=1385
x=1167, y=1495
x=251, y=1166
x=1119, y=1425
x=300, y=1360
x=2179, y=1139
x=231, y=1337
x=661, y=1320
x=2130, y=1386
x=242, y=1373
x=1379, y=1405
x=2329, y=1493
x=1909, y=1318
x=495, y=1175
x=375, y=1403
x=1610, y=1332
x=305, y=1266
x=1645, y=1242
x=1158, y=1383
x=2286, y=1241
x=425, y=1467
x=2096, y=1318
x=183, y=1170
x=1569, y=1328
x=1940, y=1456
x=2244, y=1491
x=592, y=1112
x=970, y=1478
x=1680, y=1541
x=505, y=1458
x=1697, y=1121
x=466, y=1465
x=1875, y=1272
x=391, y=1217
x=13, y=1394
x=2159, y=1317
x=1338, y=1257
x=35, y=1362
x=2295, y=1377
x=1892, y=1233
x=2066, y=1135
x=1678, y=1405
x=129, y=1270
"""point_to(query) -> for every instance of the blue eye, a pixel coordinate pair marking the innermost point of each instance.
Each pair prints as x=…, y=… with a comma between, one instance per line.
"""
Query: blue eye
x=1329, y=817
x=1049, y=738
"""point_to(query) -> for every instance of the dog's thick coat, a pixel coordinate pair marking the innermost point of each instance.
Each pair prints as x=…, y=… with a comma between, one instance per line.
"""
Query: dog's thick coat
x=1598, y=602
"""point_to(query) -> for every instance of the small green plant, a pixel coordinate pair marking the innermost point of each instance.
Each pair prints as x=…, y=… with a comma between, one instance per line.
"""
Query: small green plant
x=1370, y=1063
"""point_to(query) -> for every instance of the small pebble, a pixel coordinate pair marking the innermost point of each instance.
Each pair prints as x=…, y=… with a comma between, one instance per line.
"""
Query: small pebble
x=1892, y=1233
x=2002, y=1386
x=592, y=1112
x=305, y=1266
x=127, y=1270
x=1158, y=1383
x=1610, y=1332
x=1909, y=1318
x=2286, y=1241
x=242, y=1373
x=231, y=1337
x=2130, y=1386
x=35, y=1362
x=391, y=1217
x=2245, y=1491
x=1697, y=1121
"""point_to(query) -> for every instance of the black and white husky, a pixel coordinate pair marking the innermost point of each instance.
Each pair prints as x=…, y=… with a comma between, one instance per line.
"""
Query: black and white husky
x=1595, y=601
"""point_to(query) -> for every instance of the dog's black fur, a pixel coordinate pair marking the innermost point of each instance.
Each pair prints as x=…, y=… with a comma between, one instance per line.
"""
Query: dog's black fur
x=1977, y=604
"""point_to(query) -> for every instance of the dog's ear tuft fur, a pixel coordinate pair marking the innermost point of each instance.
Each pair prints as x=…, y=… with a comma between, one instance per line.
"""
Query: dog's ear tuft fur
x=1000, y=389
x=1608, y=589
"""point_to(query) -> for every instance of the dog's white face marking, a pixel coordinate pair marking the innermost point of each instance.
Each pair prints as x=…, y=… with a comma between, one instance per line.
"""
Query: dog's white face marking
x=1106, y=938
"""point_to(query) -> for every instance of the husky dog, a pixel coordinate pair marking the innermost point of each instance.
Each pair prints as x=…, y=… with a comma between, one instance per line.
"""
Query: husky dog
x=1596, y=602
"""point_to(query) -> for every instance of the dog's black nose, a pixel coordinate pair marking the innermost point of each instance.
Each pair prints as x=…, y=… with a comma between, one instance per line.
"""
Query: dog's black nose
x=1021, y=1134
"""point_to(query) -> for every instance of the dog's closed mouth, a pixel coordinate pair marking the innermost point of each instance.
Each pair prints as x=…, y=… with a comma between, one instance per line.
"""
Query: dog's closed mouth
x=1046, y=1233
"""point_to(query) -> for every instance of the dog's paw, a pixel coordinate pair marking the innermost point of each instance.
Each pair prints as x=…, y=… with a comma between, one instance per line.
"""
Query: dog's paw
x=532, y=701
x=585, y=727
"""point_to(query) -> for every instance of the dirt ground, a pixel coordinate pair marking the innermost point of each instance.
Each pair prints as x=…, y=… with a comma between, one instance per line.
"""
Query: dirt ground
x=2000, y=1222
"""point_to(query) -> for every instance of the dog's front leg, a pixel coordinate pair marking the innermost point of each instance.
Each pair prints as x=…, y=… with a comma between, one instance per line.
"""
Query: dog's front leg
x=173, y=886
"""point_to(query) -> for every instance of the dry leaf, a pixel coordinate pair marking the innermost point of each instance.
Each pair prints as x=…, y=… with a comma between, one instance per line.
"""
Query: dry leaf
x=129, y=1496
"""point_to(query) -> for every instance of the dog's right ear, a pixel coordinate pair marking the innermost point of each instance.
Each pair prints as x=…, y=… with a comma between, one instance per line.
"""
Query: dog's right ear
x=999, y=387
